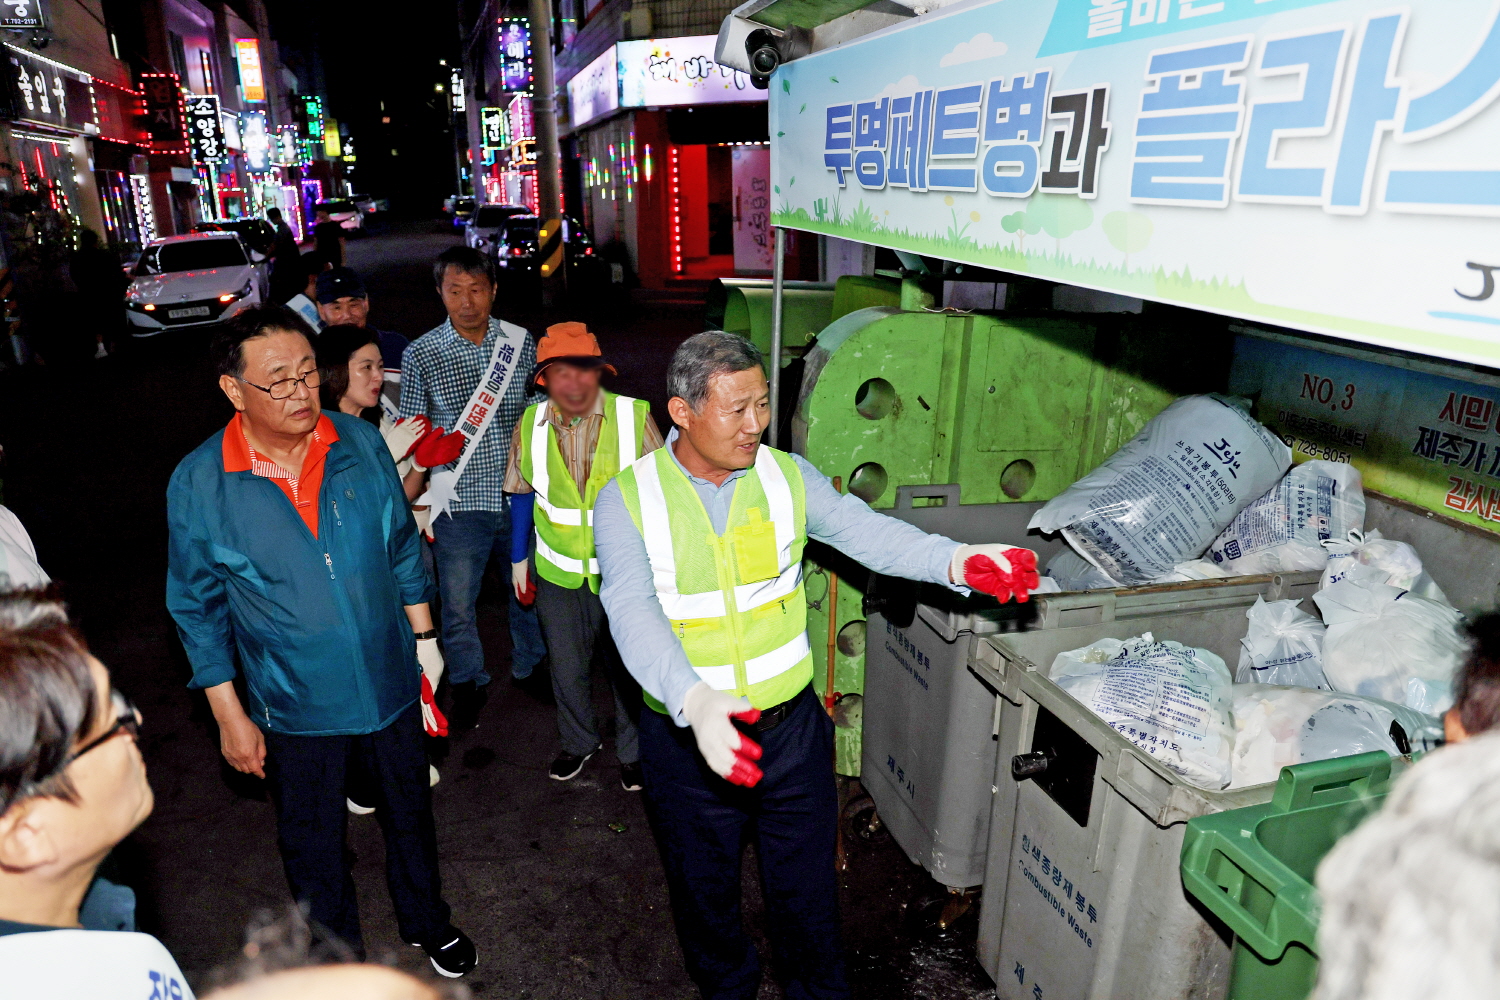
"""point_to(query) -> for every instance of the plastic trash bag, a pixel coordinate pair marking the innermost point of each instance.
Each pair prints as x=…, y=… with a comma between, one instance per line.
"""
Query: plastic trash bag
x=1397, y=560
x=1073, y=572
x=1284, y=645
x=1172, y=701
x=1193, y=569
x=1284, y=529
x=1277, y=726
x=1164, y=496
x=1387, y=643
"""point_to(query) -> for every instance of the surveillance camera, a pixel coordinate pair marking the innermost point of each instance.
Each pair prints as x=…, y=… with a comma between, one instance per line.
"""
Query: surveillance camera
x=39, y=41
x=769, y=48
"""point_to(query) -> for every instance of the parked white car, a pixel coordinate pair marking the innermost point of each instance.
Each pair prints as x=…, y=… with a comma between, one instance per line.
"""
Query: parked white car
x=184, y=281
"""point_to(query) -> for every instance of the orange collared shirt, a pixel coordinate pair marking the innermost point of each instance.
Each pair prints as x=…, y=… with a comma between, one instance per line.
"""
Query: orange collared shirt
x=302, y=490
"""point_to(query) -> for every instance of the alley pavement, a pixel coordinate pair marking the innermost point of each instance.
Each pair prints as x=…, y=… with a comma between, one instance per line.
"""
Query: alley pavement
x=558, y=883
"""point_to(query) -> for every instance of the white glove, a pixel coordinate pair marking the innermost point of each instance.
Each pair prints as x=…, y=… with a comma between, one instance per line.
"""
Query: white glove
x=998, y=570
x=403, y=437
x=728, y=752
x=431, y=660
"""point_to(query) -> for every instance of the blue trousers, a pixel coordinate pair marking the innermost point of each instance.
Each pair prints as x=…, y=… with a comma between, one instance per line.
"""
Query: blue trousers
x=702, y=823
x=463, y=543
x=306, y=776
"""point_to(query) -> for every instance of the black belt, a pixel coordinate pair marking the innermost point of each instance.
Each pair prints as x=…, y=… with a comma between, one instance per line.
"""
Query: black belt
x=772, y=717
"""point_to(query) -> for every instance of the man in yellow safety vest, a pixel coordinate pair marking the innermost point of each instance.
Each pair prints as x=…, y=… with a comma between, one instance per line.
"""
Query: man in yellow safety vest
x=700, y=546
x=563, y=450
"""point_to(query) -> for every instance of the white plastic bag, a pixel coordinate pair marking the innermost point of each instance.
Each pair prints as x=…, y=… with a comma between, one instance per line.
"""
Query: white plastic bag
x=1284, y=645
x=1073, y=572
x=1283, y=530
x=1385, y=642
x=1172, y=701
x=1278, y=726
x=1397, y=560
x=1164, y=496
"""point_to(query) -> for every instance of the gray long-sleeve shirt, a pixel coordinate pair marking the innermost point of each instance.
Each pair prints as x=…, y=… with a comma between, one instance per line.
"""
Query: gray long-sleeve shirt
x=652, y=652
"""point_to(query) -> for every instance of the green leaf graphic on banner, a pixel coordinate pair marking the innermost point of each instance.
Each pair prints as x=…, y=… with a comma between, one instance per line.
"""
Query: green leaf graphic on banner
x=786, y=85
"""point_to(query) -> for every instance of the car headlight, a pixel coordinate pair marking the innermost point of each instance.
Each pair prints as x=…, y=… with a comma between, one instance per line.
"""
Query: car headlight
x=228, y=297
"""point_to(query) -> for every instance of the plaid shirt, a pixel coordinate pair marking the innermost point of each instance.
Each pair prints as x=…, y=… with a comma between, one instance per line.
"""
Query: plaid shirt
x=438, y=374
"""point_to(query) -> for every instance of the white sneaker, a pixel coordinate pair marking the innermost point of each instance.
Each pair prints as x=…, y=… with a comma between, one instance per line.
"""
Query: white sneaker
x=432, y=776
x=358, y=809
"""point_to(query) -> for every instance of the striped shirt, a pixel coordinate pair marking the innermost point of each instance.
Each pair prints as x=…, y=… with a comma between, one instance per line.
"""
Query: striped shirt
x=577, y=439
x=439, y=372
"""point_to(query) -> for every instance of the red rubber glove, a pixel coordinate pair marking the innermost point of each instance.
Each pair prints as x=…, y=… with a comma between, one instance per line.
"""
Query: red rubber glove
x=433, y=719
x=728, y=752
x=437, y=448
x=1002, y=571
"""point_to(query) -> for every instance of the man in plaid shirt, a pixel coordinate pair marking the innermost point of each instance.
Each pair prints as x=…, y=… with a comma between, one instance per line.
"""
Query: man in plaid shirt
x=439, y=372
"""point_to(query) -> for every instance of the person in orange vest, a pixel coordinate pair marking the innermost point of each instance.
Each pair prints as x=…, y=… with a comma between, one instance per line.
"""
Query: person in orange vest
x=564, y=449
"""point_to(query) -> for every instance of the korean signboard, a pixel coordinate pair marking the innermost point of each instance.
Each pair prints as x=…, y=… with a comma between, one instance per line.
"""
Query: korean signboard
x=515, y=54
x=21, y=14
x=166, y=119
x=333, y=145
x=288, y=148
x=492, y=131
x=1424, y=436
x=256, y=138
x=1332, y=165
x=456, y=92
x=205, y=129
x=49, y=93
x=595, y=90
x=656, y=72
x=247, y=54
x=522, y=124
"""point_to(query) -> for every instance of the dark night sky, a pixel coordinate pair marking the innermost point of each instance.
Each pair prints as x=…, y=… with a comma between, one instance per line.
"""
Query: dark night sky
x=374, y=53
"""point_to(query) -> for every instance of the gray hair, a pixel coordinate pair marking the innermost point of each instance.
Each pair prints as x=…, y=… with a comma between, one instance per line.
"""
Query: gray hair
x=704, y=355
x=1411, y=898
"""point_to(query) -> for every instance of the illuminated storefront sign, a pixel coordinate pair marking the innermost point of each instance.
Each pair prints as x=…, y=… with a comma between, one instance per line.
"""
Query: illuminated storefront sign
x=333, y=146
x=656, y=72
x=247, y=54
x=492, y=128
x=595, y=91
x=257, y=141
x=456, y=92
x=49, y=93
x=21, y=14
x=288, y=152
x=522, y=125
x=166, y=118
x=515, y=54
x=205, y=129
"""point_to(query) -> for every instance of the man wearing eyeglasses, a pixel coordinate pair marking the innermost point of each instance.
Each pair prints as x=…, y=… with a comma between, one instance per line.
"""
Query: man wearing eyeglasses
x=72, y=786
x=293, y=550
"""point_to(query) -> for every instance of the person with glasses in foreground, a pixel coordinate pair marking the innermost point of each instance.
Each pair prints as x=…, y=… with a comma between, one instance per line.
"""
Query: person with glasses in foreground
x=292, y=550
x=72, y=786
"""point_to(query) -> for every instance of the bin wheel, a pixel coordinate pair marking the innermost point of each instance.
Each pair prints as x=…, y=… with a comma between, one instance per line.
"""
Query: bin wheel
x=940, y=914
x=862, y=823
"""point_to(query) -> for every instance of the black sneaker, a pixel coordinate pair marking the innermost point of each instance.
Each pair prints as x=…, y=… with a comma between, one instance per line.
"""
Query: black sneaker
x=469, y=698
x=451, y=952
x=565, y=766
x=630, y=777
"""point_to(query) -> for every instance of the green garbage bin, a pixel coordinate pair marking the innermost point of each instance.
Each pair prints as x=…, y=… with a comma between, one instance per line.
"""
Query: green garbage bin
x=1254, y=868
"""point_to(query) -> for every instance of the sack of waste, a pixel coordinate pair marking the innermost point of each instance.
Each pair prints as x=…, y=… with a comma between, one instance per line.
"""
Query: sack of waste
x=1388, y=643
x=1398, y=561
x=1164, y=496
x=1277, y=726
x=1284, y=645
x=1172, y=701
x=1073, y=572
x=1283, y=530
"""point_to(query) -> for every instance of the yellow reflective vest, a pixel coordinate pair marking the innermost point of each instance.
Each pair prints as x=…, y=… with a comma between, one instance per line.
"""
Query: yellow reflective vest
x=734, y=600
x=565, y=520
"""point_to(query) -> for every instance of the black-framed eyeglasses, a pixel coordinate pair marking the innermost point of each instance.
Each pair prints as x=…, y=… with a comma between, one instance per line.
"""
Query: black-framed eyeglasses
x=127, y=720
x=283, y=388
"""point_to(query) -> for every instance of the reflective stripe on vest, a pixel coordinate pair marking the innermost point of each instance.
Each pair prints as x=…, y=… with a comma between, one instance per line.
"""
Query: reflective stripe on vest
x=564, y=520
x=767, y=625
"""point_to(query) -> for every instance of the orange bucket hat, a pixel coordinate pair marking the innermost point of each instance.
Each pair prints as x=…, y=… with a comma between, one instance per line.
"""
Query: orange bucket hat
x=571, y=343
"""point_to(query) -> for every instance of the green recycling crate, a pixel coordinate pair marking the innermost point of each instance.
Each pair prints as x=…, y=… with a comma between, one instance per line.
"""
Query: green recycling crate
x=1254, y=867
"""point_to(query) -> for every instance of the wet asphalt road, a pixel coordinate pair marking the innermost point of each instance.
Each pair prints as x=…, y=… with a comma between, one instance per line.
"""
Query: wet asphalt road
x=561, y=901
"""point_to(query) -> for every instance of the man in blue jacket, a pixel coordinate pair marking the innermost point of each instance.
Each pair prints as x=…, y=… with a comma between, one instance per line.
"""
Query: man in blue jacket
x=292, y=547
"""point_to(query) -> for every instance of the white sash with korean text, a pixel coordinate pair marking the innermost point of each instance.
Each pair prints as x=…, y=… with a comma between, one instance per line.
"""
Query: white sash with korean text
x=477, y=415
